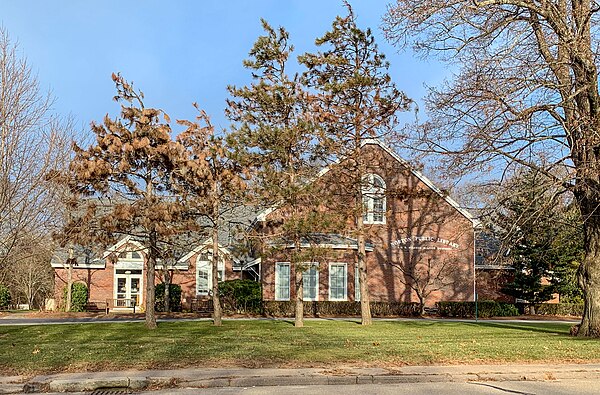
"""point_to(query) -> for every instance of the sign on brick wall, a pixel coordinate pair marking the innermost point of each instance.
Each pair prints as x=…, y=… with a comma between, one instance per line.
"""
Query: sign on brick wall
x=424, y=243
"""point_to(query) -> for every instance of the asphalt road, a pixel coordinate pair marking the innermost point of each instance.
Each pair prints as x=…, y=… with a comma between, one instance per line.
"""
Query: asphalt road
x=558, y=387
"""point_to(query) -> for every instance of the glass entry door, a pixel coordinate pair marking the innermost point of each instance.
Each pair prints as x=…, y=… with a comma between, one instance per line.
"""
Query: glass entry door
x=128, y=287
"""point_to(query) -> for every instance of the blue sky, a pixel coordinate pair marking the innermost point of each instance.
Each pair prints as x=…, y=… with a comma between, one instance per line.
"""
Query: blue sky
x=176, y=52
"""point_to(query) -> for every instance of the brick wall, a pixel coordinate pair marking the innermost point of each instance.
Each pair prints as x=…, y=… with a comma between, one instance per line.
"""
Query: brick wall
x=421, y=227
x=490, y=283
x=100, y=282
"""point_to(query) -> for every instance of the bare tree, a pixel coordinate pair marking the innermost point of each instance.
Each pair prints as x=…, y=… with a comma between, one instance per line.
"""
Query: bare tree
x=425, y=278
x=31, y=276
x=525, y=94
x=32, y=142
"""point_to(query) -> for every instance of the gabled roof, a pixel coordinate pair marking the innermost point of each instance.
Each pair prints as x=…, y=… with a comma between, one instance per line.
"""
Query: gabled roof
x=125, y=240
x=206, y=244
x=426, y=181
x=476, y=223
x=85, y=258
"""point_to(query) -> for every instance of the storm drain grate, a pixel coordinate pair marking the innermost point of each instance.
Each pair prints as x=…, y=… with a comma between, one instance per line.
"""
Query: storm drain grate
x=112, y=391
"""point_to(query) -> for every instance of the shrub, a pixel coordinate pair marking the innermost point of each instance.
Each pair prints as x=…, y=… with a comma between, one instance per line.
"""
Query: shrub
x=79, y=296
x=575, y=309
x=4, y=297
x=327, y=308
x=485, y=309
x=241, y=296
x=174, y=297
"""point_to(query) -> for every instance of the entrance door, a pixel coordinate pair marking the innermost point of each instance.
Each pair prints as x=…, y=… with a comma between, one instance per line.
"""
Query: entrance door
x=128, y=287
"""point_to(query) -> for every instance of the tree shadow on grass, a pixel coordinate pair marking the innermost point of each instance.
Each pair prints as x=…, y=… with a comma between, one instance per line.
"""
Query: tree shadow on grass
x=556, y=329
x=317, y=319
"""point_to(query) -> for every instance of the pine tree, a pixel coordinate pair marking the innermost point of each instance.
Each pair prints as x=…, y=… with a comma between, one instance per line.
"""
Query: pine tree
x=356, y=100
x=213, y=183
x=275, y=136
x=539, y=231
x=126, y=177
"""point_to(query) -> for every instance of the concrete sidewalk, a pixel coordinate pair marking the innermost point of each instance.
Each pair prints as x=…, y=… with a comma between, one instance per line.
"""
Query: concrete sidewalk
x=241, y=377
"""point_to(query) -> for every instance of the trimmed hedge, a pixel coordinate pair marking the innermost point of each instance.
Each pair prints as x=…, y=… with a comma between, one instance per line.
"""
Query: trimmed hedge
x=79, y=296
x=485, y=309
x=326, y=308
x=174, y=297
x=241, y=296
x=5, y=298
x=574, y=309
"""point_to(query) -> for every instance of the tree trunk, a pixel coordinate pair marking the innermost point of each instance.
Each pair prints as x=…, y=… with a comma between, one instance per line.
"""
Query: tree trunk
x=167, y=291
x=361, y=261
x=150, y=275
x=69, y=281
x=217, y=311
x=365, y=306
x=299, y=313
x=589, y=276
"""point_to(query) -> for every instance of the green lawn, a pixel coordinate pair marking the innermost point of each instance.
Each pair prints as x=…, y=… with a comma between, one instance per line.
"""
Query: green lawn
x=37, y=349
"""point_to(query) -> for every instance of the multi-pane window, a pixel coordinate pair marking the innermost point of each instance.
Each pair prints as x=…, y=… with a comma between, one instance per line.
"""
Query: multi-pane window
x=130, y=255
x=282, y=281
x=202, y=278
x=310, y=283
x=204, y=273
x=338, y=284
x=374, y=204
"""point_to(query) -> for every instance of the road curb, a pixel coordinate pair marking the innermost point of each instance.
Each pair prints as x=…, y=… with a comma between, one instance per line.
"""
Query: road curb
x=140, y=382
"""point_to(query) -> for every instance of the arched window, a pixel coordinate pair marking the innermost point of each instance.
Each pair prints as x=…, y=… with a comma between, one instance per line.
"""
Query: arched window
x=130, y=255
x=374, y=204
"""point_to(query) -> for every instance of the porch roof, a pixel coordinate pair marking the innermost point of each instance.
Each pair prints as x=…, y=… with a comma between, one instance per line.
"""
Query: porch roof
x=324, y=240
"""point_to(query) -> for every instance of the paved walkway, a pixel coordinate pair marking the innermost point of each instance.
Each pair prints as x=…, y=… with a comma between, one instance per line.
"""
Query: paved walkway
x=17, y=319
x=240, y=377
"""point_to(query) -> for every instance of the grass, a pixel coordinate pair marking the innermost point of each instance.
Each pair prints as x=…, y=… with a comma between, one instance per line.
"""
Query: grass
x=52, y=348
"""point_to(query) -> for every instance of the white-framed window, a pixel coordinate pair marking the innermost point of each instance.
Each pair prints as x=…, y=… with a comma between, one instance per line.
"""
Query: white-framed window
x=356, y=284
x=310, y=283
x=204, y=272
x=130, y=256
x=374, y=203
x=338, y=281
x=130, y=259
x=282, y=281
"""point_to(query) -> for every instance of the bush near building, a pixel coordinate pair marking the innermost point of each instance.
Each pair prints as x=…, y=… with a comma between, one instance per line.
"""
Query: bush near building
x=572, y=309
x=79, y=296
x=484, y=309
x=174, y=297
x=326, y=308
x=241, y=296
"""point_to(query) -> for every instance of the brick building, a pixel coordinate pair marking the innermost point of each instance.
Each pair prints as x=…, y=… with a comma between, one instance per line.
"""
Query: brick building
x=412, y=228
x=118, y=273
